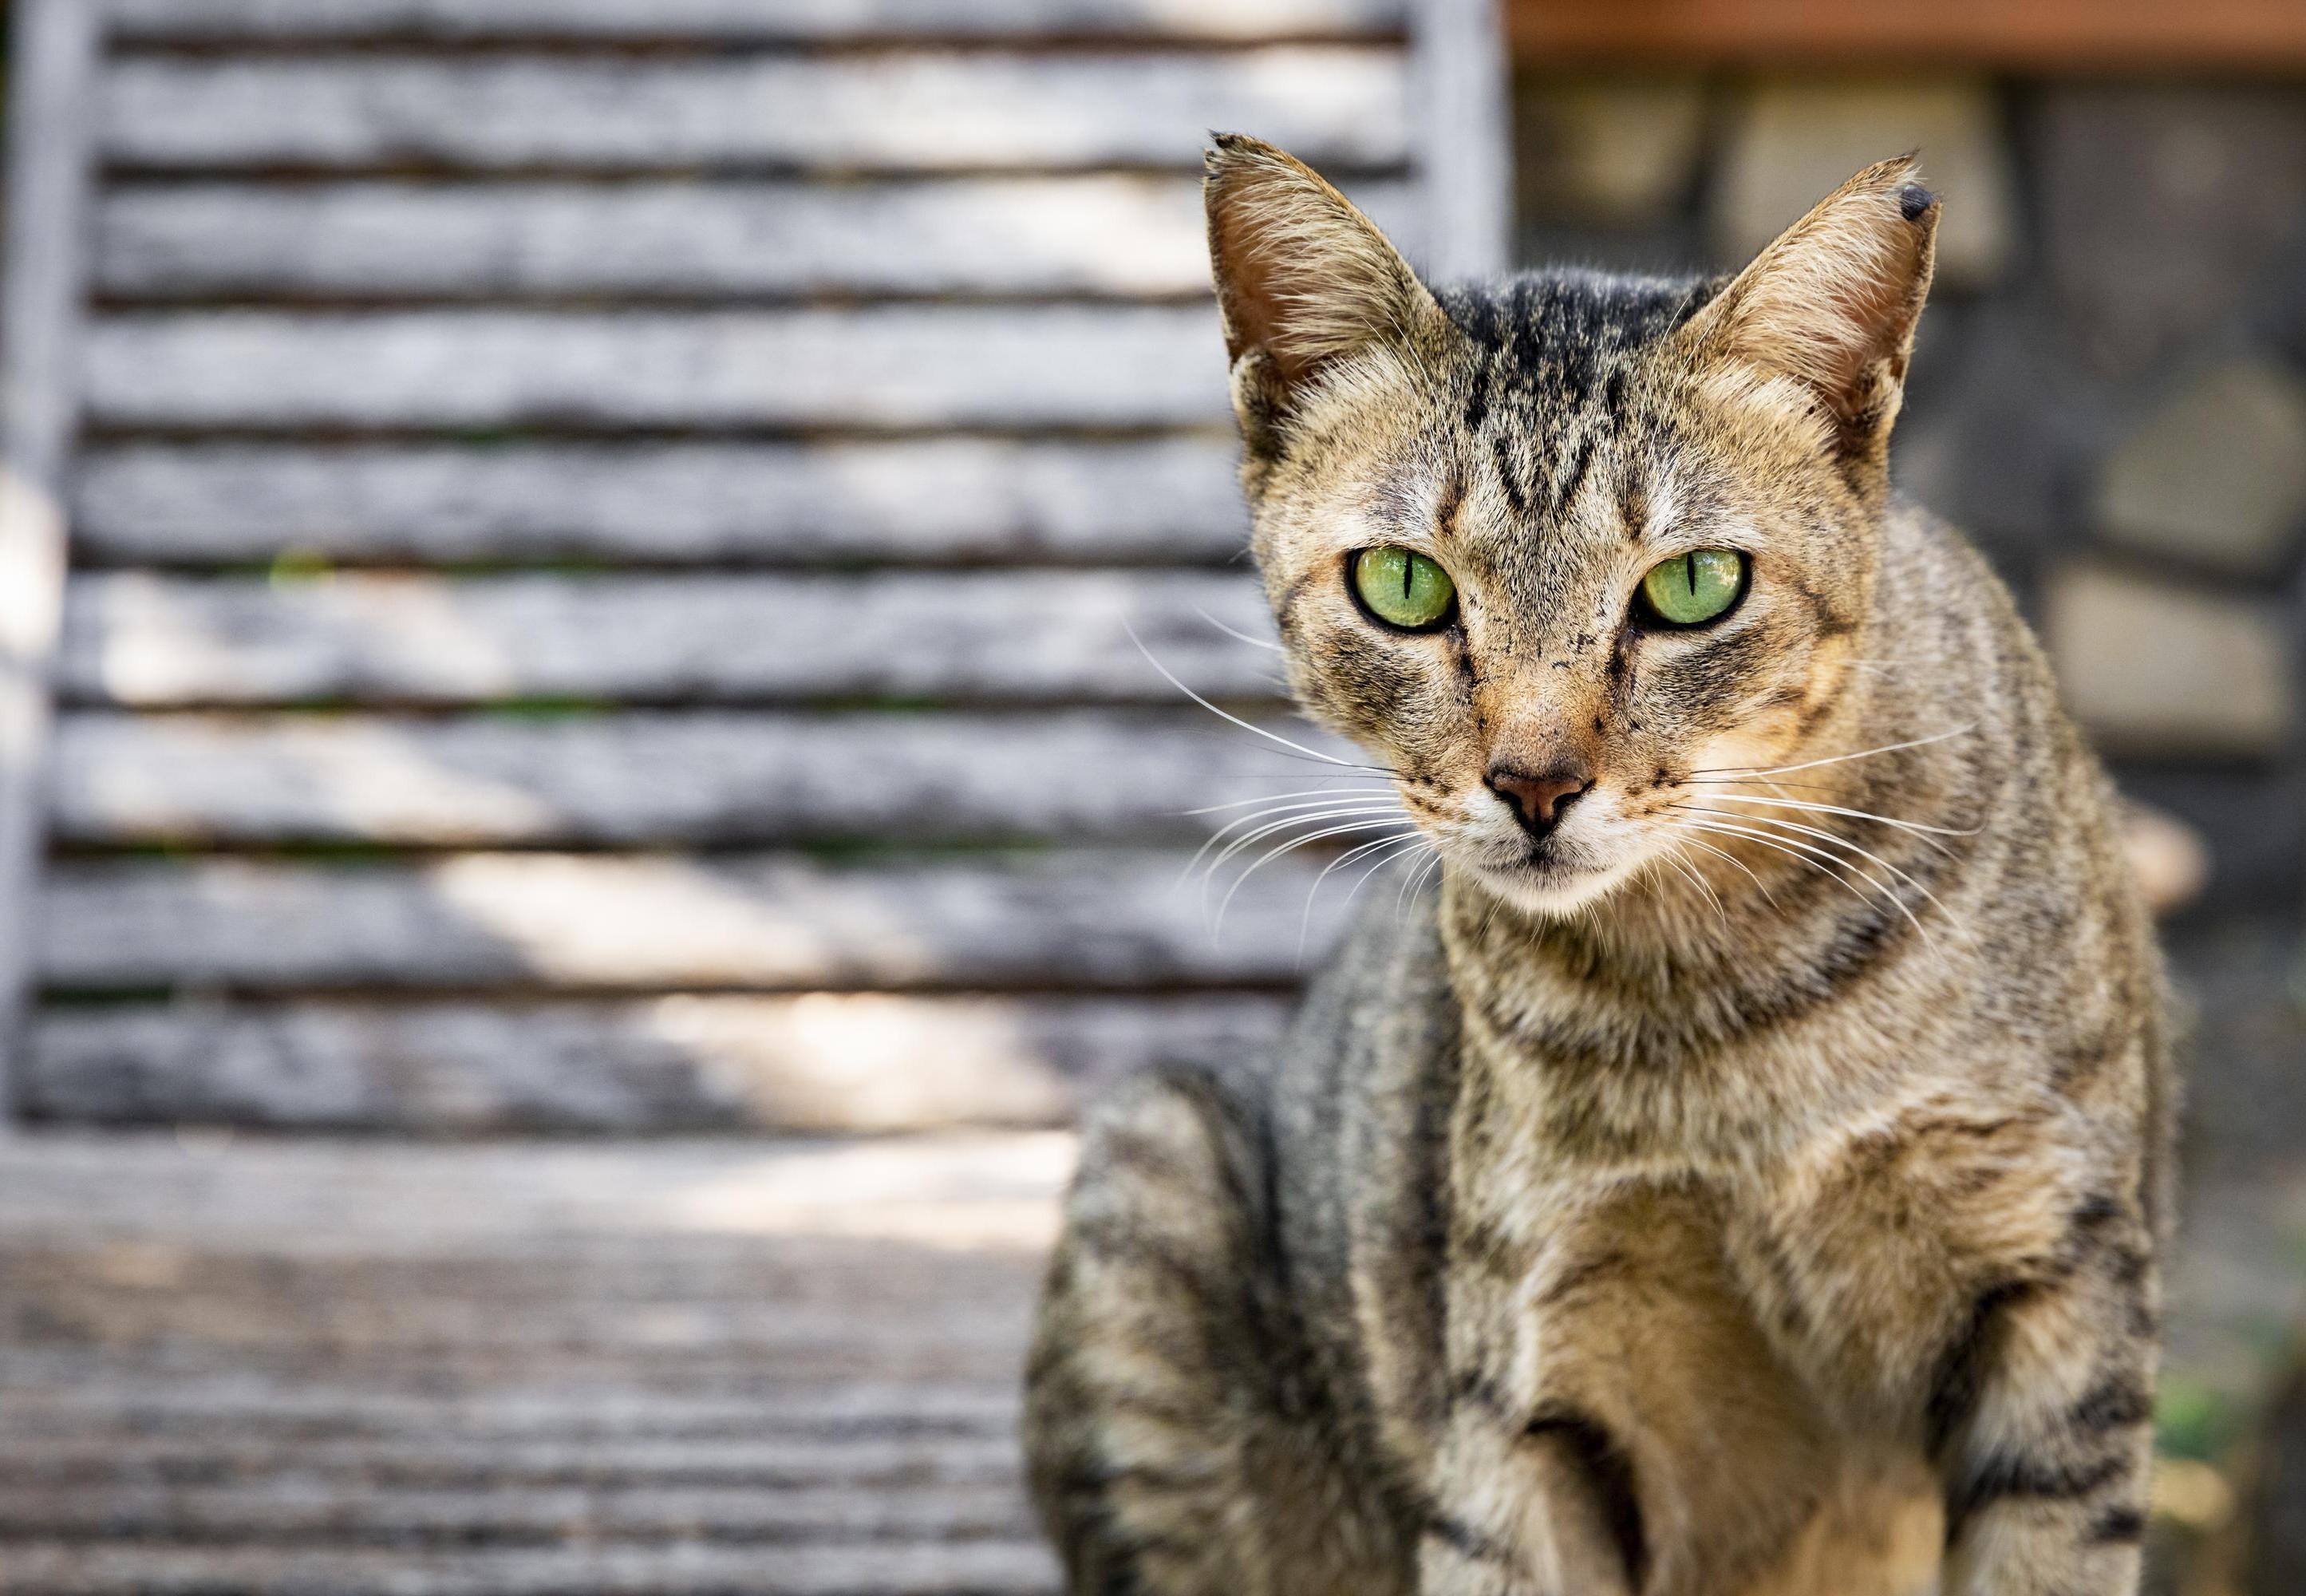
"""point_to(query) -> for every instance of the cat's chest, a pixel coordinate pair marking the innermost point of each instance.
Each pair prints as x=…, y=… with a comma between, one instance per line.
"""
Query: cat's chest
x=1834, y=1277
x=1651, y=1308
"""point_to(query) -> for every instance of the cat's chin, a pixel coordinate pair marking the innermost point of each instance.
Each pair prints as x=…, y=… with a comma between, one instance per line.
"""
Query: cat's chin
x=1547, y=888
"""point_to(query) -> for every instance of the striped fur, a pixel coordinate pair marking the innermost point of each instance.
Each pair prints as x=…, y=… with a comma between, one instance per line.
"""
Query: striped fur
x=1769, y=1208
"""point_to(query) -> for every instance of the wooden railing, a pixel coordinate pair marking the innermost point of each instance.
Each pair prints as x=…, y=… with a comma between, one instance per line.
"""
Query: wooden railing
x=2020, y=34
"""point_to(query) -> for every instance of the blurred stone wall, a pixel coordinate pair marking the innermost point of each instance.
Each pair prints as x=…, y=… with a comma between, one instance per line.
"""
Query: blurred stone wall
x=2110, y=389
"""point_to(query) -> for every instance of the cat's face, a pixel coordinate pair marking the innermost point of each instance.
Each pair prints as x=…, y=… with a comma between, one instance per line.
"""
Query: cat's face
x=1558, y=553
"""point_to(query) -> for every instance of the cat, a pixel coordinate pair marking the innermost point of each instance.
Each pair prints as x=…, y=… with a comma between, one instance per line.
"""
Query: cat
x=1744, y=1174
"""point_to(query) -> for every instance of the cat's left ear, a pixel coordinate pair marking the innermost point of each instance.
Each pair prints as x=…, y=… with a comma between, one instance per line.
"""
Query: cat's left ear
x=1304, y=280
x=1833, y=303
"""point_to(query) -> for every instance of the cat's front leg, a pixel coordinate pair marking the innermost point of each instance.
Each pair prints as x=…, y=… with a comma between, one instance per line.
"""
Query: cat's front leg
x=1528, y=1505
x=2041, y=1415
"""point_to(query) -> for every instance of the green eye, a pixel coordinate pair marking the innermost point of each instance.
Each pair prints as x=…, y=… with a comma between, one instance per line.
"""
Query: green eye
x=1402, y=588
x=1691, y=588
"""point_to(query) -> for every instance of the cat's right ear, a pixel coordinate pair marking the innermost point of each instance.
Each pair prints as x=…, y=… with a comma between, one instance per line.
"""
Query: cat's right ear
x=1304, y=279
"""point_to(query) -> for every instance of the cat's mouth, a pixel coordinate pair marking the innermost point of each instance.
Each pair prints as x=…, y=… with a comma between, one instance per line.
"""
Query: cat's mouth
x=1551, y=875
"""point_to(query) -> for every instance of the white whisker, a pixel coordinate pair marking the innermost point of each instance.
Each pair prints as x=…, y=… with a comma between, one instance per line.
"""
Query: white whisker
x=1720, y=853
x=1915, y=826
x=1888, y=892
x=1264, y=827
x=1289, y=847
x=1415, y=881
x=1808, y=764
x=1833, y=875
x=1698, y=881
x=1309, y=792
x=1305, y=926
x=1239, y=637
x=1838, y=840
x=1171, y=677
x=1394, y=857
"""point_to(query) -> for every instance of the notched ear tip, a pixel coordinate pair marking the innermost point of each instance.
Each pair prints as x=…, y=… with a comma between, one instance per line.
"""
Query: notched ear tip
x=1230, y=153
x=1915, y=202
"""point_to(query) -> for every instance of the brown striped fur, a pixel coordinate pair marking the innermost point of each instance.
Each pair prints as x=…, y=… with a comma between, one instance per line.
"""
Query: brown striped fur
x=1647, y=1209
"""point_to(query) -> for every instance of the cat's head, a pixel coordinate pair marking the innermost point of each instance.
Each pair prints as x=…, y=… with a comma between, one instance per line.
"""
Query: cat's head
x=1553, y=549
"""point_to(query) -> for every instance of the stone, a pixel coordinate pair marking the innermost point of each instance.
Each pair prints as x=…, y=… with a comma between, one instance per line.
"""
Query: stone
x=2170, y=858
x=1611, y=151
x=2161, y=207
x=2154, y=670
x=1790, y=143
x=2216, y=475
x=1997, y=429
x=2273, y=1527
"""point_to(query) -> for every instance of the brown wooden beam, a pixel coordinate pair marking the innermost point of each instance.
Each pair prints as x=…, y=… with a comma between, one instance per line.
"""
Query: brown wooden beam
x=2023, y=35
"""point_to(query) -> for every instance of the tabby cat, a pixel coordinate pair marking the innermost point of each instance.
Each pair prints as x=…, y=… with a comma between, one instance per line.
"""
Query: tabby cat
x=1743, y=1172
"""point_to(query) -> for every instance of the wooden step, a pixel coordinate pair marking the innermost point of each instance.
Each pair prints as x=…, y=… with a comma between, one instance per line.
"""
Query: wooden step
x=48, y=1568
x=824, y=1062
x=924, y=500
x=541, y=921
x=1337, y=106
x=741, y=21
x=298, y=1512
x=326, y=1365
x=137, y=639
x=48, y=1398
x=893, y=366
x=421, y=1465
x=651, y=778
x=794, y=1201
x=1118, y=235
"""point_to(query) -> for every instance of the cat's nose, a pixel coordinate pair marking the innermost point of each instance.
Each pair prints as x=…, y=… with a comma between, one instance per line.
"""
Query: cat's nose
x=1540, y=798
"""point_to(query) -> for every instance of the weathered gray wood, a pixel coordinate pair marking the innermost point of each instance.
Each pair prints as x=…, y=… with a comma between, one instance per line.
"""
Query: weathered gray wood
x=533, y=921
x=1337, y=105
x=53, y=1396
x=440, y=1308
x=936, y=499
x=966, y=1568
x=287, y=1512
x=1107, y=234
x=889, y=366
x=354, y=1365
x=1464, y=137
x=658, y=778
x=137, y=639
x=52, y=48
x=742, y=22
x=766, y=1202
x=821, y=1063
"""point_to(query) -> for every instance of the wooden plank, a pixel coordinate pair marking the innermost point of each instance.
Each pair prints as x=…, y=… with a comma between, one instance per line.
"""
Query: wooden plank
x=1105, y=234
x=277, y=1513
x=51, y=1397
x=519, y=1367
x=982, y=1568
x=938, y=499
x=52, y=48
x=825, y=1061
x=141, y=640
x=2252, y=35
x=393, y=1309
x=659, y=778
x=739, y=22
x=887, y=366
x=1464, y=137
x=1335, y=105
x=607, y=923
x=290, y=1513
x=803, y=1205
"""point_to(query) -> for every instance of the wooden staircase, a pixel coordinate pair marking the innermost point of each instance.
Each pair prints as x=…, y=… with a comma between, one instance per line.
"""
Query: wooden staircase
x=603, y=538
x=569, y=564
